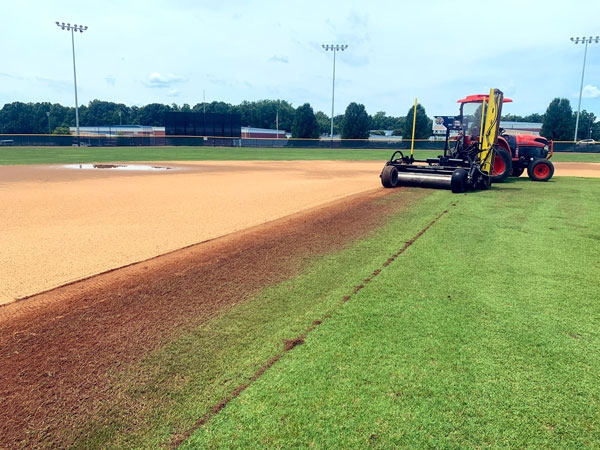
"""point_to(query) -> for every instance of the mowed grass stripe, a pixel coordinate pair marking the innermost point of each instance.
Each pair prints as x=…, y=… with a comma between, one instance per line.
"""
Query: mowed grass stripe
x=483, y=334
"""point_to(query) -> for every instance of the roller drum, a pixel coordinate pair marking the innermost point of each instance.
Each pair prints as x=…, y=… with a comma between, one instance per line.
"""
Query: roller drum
x=431, y=180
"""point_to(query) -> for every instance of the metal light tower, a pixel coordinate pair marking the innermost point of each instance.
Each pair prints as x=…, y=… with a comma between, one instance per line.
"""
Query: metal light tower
x=72, y=29
x=334, y=48
x=586, y=41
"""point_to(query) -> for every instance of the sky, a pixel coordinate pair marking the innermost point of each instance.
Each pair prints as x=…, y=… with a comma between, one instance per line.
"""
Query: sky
x=190, y=51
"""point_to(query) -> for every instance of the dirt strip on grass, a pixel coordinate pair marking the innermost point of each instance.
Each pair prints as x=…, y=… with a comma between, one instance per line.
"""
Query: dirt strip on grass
x=57, y=348
x=299, y=340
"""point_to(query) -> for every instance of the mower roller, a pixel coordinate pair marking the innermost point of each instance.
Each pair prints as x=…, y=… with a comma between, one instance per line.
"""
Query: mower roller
x=469, y=171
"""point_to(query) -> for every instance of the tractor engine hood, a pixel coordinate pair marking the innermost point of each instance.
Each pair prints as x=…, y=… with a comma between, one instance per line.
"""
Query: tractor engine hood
x=534, y=141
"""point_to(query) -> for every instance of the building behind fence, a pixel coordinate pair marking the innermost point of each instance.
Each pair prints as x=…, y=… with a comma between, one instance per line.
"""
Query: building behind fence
x=225, y=130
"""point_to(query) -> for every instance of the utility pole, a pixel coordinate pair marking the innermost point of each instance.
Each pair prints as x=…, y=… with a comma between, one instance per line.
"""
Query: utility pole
x=335, y=48
x=586, y=41
x=72, y=29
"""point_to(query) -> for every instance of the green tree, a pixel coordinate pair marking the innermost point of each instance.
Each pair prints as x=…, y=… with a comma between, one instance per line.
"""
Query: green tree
x=357, y=123
x=586, y=124
x=214, y=107
x=62, y=130
x=323, y=122
x=378, y=121
x=268, y=114
x=60, y=116
x=305, y=124
x=16, y=118
x=595, y=131
x=338, y=122
x=423, y=126
x=285, y=112
x=153, y=114
x=533, y=118
x=100, y=113
x=381, y=121
x=558, y=123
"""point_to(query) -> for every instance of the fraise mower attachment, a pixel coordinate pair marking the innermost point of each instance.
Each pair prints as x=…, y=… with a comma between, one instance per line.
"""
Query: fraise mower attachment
x=470, y=171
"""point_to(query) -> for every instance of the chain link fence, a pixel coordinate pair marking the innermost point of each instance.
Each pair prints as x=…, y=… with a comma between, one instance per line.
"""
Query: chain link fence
x=36, y=140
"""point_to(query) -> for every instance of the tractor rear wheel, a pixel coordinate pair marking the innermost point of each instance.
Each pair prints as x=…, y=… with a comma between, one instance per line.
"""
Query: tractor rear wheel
x=389, y=177
x=501, y=166
x=459, y=181
x=540, y=170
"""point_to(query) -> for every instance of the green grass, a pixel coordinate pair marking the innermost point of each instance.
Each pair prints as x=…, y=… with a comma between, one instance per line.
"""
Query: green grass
x=65, y=155
x=482, y=334
x=576, y=157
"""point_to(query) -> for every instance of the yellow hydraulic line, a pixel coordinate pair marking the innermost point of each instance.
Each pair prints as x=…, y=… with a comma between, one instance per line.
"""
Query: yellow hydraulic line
x=412, y=142
x=482, y=146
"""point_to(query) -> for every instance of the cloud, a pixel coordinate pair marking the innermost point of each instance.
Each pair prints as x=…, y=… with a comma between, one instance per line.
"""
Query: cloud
x=279, y=59
x=358, y=20
x=9, y=76
x=111, y=80
x=54, y=84
x=590, y=91
x=161, y=81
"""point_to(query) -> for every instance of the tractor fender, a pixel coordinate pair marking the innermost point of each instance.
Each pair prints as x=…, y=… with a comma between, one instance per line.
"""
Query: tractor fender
x=503, y=143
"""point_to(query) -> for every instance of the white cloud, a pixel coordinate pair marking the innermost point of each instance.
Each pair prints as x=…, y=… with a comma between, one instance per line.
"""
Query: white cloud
x=279, y=59
x=590, y=91
x=167, y=80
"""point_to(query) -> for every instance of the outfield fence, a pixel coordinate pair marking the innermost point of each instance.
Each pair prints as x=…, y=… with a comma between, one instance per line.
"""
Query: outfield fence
x=41, y=140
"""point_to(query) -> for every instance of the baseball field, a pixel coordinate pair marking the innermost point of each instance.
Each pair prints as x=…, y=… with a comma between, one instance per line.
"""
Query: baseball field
x=217, y=302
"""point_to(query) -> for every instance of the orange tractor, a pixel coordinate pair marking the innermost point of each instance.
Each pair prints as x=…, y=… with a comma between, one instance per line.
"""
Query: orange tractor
x=513, y=154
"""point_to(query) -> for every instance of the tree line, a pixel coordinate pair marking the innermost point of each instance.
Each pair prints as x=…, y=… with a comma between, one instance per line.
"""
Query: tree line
x=558, y=122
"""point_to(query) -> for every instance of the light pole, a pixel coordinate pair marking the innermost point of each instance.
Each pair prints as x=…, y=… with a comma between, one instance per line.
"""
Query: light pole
x=586, y=41
x=48, y=115
x=72, y=29
x=334, y=48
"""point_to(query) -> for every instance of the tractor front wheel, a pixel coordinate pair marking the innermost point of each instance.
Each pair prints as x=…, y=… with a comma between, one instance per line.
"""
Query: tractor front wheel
x=389, y=177
x=540, y=170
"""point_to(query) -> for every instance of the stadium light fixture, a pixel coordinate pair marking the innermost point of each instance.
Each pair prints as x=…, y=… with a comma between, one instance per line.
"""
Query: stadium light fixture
x=334, y=48
x=586, y=41
x=74, y=28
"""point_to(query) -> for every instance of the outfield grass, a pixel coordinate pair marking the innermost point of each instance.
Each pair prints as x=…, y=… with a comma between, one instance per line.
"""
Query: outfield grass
x=66, y=155
x=576, y=157
x=482, y=334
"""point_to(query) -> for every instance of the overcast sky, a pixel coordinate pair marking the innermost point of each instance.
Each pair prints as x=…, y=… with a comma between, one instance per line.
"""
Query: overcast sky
x=184, y=51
